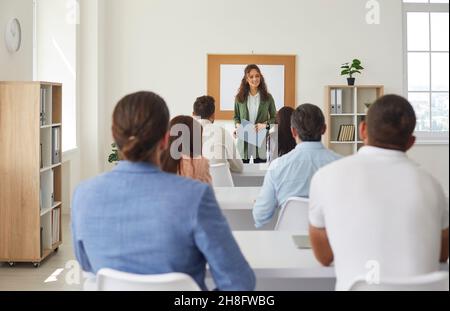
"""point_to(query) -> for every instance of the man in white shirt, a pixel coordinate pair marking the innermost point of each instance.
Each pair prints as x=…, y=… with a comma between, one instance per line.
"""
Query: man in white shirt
x=376, y=213
x=218, y=144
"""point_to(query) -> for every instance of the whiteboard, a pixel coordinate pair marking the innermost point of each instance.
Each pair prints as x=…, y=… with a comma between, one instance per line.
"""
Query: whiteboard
x=231, y=77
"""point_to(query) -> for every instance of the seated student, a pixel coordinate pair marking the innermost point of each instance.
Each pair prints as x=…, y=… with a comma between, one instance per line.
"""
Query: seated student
x=378, y=208
x=218, y=144
x=280, y=140
x=184, y=155
x=290, y=175
x=141, y=220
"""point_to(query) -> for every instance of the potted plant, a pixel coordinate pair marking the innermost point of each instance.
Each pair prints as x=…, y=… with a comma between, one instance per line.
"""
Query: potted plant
x=350, y=69
x=114, y=156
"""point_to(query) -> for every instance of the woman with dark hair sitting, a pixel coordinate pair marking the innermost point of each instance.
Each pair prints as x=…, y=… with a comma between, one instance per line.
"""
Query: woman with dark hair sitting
x=281, y=140
x=184, y=155
x=141, y=220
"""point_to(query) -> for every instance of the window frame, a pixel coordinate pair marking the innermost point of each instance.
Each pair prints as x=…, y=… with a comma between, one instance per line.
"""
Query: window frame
x=423, y=137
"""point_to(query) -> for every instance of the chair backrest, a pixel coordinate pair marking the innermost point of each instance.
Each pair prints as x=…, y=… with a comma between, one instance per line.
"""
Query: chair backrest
x=293, y=216
x=221, y=175
x=436, y=281
x=113, y=280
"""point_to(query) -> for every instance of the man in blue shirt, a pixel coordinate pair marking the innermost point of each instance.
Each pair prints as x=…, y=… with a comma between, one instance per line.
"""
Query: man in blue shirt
x=141, y=220
x=291, y=174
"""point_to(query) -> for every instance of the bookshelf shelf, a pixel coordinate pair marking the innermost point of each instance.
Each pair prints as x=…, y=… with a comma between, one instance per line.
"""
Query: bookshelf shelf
x=50, y=125
x=47, y=168
x=344, y=109
x=31, y=189
x=55, y=205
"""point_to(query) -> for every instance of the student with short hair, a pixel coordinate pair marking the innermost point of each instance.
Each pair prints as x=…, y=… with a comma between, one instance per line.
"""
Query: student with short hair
x=139, y=219
x=184, y=155
x=377, y=209
x=218, y=144
x=290, y=175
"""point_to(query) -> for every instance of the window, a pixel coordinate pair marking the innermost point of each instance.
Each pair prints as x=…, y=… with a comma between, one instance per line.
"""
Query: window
x=426, y=31
x=55, y=59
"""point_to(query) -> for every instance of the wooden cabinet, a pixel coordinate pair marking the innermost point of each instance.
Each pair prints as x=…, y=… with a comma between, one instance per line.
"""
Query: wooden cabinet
x=30, y=170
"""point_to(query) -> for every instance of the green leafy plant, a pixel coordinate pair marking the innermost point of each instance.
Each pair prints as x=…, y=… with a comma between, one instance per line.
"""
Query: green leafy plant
x=114, y=156
x=350, y=69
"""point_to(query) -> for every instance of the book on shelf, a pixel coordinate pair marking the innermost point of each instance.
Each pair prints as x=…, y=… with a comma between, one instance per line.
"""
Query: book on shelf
x=332, y=101
x=52, y=192
x=56, y=148
x=41, y=161
x=55, y=225
x=346, y=132
x=338, y=101
x=43, y=103
x=42, y=242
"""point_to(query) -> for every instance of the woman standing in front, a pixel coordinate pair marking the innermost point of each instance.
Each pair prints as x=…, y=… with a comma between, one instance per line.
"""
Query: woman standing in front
x=254, y=104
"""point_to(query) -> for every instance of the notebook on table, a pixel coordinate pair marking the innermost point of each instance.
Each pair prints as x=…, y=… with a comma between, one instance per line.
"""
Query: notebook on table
x=302, y=241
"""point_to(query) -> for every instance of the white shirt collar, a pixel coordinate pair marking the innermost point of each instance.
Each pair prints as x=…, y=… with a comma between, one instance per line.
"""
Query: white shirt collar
x=371, y=150
x=204, y=122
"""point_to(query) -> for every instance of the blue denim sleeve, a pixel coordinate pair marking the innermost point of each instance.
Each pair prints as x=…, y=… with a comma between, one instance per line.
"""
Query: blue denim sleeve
x=213, y=237
x=266, y=203
x=78, y=247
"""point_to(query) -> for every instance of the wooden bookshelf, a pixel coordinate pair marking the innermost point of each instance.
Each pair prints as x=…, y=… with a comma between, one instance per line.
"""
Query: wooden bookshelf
x=30, y=171
x=353, y=110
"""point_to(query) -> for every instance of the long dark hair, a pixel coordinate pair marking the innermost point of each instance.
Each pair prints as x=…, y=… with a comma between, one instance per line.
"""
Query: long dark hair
x=191, y=144
x=285, y=140
x=244, y=89
x=140, y=121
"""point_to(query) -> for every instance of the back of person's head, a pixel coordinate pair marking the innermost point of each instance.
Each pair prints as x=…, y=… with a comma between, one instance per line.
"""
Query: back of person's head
x=391, y=121
x=204, y=107
x=140, y=122
x=185, y=140
x=285, y=140
x=309, y=122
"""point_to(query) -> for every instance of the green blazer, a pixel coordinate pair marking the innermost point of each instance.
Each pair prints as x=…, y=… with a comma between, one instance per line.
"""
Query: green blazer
x=266, y=114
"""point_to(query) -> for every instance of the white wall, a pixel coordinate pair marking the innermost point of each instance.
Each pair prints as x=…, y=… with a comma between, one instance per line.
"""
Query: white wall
x=91, y=73
x=161, y=45
x=56, y=58
x=17, y=66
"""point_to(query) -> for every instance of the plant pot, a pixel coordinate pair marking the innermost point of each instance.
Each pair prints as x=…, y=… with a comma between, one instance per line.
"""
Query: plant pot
x=351, y=81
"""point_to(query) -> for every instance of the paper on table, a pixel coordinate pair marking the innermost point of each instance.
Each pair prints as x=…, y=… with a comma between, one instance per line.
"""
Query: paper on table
x=248, y=133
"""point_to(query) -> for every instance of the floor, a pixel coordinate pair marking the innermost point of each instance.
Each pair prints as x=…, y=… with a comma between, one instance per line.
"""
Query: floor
x=24, y=277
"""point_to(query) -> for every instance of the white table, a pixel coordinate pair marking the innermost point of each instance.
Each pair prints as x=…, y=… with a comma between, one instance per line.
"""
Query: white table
x=236, y=198
x=251, y=176
x=279, y=265
x=237, y=203
x=274, y=254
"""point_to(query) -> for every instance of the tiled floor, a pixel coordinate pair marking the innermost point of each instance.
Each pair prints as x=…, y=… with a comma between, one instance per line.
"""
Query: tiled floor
x=24, y=277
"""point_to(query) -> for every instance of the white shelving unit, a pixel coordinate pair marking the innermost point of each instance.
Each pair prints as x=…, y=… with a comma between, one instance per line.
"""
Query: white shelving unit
x=353, y=111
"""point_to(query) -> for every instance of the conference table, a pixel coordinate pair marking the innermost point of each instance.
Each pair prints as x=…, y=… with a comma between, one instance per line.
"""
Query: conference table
x=237, y=203
x=279, y=265
x=251, y=176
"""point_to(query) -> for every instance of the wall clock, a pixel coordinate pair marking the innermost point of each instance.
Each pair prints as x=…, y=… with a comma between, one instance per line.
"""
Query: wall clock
x=13, y=35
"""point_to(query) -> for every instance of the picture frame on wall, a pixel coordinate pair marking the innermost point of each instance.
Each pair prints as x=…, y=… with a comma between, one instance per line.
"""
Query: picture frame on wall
x=225, y=74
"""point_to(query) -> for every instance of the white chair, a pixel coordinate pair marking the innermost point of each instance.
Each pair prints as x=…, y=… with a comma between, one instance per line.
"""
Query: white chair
x=436, y=281
x=113, y=280
x=293, y=216
x=221, y=175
